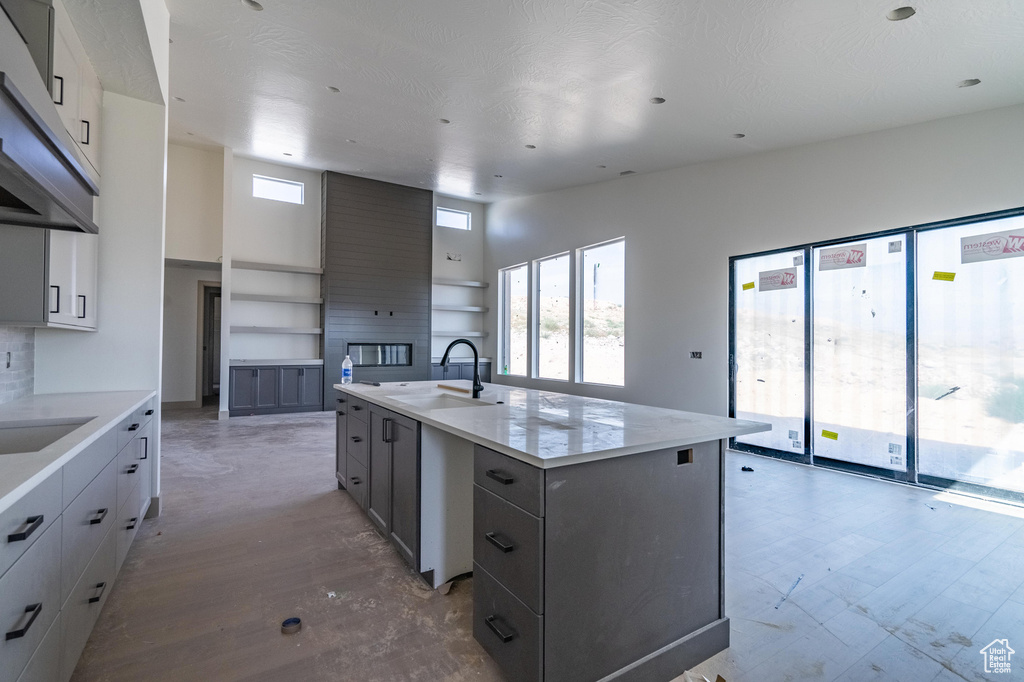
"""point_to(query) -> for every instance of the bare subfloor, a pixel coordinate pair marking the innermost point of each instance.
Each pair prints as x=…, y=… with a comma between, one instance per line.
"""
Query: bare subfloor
x=891, y=582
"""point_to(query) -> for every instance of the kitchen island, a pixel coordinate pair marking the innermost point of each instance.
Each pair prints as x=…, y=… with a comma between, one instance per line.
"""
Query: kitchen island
x=593, y=528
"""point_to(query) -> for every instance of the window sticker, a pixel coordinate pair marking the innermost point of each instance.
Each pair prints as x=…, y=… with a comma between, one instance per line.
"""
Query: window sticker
x=842, y=257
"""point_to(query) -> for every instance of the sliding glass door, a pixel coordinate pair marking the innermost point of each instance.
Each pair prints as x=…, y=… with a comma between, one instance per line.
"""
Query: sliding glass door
x=860, y=352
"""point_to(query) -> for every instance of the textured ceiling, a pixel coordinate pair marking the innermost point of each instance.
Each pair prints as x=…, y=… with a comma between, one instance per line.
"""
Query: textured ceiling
x=572, y=77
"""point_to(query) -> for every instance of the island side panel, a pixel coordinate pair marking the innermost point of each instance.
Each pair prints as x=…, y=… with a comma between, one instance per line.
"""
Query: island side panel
x=633, y=564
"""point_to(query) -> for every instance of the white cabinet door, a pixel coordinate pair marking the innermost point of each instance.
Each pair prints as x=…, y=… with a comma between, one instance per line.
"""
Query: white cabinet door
x=66, y=76
x=62, y=277
x=91, y=107
x=86, y=253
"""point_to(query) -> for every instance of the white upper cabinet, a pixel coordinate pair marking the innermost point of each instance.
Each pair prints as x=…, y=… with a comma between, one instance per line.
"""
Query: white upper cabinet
x=76, y=90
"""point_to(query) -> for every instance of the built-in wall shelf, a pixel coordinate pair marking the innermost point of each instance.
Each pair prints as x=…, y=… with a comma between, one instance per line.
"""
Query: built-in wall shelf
x=248, y=362
x=461, y=283
x=456, y=335
x=462, y=308
x=276, y=267
x=276, y=330
x=277, y=299
x=195, y=264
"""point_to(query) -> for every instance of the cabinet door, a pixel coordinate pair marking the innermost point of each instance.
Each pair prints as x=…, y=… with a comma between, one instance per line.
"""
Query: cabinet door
x=86, y=255
x=340, y=446
x=66, y=84
x=243, y=388
x=379, y=502
x=404, y=434
x=90, y=106
x=312, y=386
x=290, y=394
x=436, y=371
x=266, y=387
x=61, y=263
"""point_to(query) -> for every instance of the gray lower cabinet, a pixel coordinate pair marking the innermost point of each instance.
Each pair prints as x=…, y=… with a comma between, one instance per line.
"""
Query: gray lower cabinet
x=460, y=370
x=274, y=389
x=388, y=485
x=602, y=569
x=341, y=442
x=65, y=542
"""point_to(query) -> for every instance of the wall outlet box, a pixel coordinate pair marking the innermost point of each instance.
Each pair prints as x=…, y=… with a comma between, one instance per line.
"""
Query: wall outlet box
x=454, y=256
x=696, y=354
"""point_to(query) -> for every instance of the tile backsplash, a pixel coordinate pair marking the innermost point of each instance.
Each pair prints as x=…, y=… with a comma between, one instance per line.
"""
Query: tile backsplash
x=17, y=381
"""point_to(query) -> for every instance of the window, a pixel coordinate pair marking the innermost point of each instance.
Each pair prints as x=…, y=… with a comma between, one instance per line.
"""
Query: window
x=277, y=189
x=602, y=292
x=552, y=318
x=514, y=303
x=449, y=217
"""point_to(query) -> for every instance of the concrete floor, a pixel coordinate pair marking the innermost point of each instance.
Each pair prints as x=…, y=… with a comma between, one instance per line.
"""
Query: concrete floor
x=897, y=583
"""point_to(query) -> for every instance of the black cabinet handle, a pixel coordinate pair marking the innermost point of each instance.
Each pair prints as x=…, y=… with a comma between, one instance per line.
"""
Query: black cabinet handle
x=356, y=439
x=492, y=623
x=132, y=469
x=102, y=587
x=387, y=429
x=54, y=286
x=87, y=128
x=341, y=400
x=131, y=523
x=31, y=523
x=493, y=539
x=145, y=447
x=133, y=427
x=355, y=480
x=356, y=408
x=98, y=518
x=341, y=413
x=500, y=476
x=59, y=101
x=149, y=413
x=82, y=316
x=32, y=611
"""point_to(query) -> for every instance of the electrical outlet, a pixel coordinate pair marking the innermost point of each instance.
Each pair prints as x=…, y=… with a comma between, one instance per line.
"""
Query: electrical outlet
x=8, y=359
x=696, y=354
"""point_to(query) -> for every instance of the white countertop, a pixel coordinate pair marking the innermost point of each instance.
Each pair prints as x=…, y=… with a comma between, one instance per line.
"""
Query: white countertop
x=549, y=429
x=21, y=472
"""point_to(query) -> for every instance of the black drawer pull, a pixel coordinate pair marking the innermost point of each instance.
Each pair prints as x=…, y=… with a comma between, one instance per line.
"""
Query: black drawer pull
x=34, y=610
x=355, y=480
x=82, y=316
x=133, y=427
x=102, y=587
x=356, y=408
x=132, y=469
x=98, y=518
x=493, y=539
x=341, y=413
x=149, y=413
x=31, y=523
x=59, y=99
x=131, y=523
x=505, y=637
x=341, y=400
x=500, y=477
x=356, y=439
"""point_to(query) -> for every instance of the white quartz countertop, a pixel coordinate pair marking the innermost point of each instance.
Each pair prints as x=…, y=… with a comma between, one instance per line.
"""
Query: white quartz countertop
x=549, y=429
x=21, y=472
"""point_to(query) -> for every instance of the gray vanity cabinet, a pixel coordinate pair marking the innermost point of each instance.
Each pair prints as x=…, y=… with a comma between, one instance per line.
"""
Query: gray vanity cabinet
x=273, y=389
x=394, y=491
x=379, y=507
x=253, y=388
x=300, y=386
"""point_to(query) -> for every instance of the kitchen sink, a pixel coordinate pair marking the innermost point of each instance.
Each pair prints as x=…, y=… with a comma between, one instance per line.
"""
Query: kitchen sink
x=32, y=435
x=441, y=402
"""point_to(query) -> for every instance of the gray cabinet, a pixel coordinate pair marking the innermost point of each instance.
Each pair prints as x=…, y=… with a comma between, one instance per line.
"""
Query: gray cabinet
x=356, y=446
x=379, y=507
x=273, y=389
x=341, y=441
x=460, y=370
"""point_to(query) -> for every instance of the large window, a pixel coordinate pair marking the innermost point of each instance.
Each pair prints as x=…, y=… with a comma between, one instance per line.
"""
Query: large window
x=552, y=318
x=515, y=296
x=602, y=285
x=914, y=357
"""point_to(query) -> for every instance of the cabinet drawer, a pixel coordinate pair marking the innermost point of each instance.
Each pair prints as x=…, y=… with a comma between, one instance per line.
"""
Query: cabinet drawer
x=85, y=523
x=83, y=606
x=509, y=479
x=357, y=481
x=127, y=429
x=506, y=629
x=127, y=525
x=358, y=440
x=29, y=602
x=509, y=544
x=358, y=408
x=80, y=471
x=23, y=523
x=45, y=663
x=144, y=413
x=129, y=471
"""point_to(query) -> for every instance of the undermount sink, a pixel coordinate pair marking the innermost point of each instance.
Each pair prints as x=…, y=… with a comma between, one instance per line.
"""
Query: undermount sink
x=32, y=435
x=441, y=402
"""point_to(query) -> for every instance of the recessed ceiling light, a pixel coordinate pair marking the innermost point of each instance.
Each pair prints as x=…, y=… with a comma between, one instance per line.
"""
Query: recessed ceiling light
x=739, y=136
x=477, y=193
x=190, y=133
x=531, y=146
x=253, y=5
x=179, y=99
x=970, y=82
x=351, y=141
x=901, y=13
x=443, y=121
x=630, y=172
x=657, y=100
x=333, y=89
x=287, y=153
x=602, y=166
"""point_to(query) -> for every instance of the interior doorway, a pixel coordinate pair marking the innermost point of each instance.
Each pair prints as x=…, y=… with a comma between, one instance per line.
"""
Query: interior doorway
x=209, y=353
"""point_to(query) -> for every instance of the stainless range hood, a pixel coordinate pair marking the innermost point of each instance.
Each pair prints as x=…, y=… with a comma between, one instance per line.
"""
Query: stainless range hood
x=41, y=183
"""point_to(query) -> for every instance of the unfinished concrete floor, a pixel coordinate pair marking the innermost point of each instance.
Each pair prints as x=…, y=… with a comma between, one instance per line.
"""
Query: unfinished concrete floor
x=897, y=583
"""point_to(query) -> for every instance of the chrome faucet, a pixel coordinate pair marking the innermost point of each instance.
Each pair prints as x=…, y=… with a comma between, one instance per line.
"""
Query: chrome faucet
x=477, y=386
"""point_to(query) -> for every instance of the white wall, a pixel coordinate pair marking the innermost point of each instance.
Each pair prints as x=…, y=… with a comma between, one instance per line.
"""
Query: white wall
x=682, y=225
x=469, y=244
x=181, y=315
x=195, y=203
